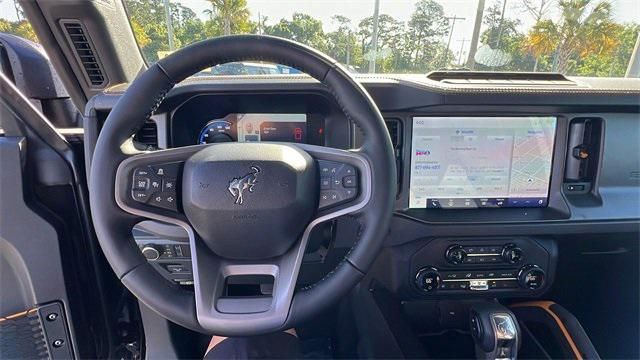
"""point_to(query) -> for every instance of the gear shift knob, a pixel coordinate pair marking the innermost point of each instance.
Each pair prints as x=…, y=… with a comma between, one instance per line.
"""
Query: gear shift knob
x=495, y=331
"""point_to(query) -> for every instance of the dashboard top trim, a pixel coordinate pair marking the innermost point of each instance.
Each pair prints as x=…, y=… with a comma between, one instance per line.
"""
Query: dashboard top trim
x=586, y=85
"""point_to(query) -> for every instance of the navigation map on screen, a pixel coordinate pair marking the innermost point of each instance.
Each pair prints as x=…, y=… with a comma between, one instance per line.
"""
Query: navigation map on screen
x=477, y=162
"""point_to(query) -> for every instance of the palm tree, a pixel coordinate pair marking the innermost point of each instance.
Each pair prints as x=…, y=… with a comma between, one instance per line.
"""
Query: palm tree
x=229, y=12
x=580, y=31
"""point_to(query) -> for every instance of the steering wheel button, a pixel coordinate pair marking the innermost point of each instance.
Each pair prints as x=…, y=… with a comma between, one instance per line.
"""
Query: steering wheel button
x=156, y=184
x=168, y=170
x=349, y=181
x=140, y=183
x=325, y=183
x=347, y=170
x=145, y=171
x=165, y=200
x=329, y=198
x=169, y=185
x=140, y=195
x=349, y=193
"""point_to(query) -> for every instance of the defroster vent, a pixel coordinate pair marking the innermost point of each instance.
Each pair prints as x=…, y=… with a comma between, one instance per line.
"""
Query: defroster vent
x=85, y=53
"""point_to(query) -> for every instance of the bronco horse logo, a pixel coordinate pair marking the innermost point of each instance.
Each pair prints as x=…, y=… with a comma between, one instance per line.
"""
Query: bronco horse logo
x=238, y=185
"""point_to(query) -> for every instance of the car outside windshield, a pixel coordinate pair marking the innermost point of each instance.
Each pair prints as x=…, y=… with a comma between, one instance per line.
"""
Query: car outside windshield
x=573, y=37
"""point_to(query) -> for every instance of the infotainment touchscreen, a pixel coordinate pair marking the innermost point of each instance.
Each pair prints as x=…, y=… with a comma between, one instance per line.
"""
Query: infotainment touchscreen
x=481, y=162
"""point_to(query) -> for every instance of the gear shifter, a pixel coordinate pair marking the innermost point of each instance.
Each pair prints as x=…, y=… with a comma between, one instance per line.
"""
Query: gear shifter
x=495, y=331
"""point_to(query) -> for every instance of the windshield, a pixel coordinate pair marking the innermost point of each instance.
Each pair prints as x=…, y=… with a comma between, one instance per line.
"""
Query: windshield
x=573, y=37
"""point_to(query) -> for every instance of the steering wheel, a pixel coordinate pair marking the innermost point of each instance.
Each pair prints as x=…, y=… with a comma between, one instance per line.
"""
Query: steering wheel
x=248, y=208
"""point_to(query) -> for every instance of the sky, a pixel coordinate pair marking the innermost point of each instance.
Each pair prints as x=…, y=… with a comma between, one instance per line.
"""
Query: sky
x=274, y=10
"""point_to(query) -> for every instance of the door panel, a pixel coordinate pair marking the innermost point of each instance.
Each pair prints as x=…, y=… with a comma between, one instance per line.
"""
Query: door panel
x=31, y=273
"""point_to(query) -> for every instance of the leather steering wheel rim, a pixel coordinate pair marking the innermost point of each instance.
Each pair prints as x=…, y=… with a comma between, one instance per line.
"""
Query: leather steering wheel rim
x=113, y=224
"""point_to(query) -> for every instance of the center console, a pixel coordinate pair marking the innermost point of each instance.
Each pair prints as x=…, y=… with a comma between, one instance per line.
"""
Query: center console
x=483, y=266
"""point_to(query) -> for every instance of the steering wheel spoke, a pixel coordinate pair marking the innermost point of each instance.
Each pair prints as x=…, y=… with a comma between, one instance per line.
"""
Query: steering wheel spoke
x=218, y=307
x=149, y=184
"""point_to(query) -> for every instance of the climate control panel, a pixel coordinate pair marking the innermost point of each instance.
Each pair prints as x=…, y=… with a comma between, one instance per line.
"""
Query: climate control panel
x=484, y=254
x=495, y=267
x=529, y=277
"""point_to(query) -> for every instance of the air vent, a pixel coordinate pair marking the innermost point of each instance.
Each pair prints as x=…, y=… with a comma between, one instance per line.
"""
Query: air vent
x=395, y=132
x=85, y=54
x=534, y=79
x=148, y=135
x=583, y=153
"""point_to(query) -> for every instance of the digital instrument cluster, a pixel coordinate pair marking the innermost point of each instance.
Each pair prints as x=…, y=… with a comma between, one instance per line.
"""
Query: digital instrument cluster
x=255, y=127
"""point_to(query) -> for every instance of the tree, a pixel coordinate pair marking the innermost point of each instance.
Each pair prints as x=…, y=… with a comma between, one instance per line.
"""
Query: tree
x=503, y=38
x=391, y=39
x=187, y=27
x=20, y=28
x=342, y=43
x=232, y=15
x=581, y=31
x=538, y=9
x=427, y=26
x=302, y=28
x=613, y=63
x=148, y=22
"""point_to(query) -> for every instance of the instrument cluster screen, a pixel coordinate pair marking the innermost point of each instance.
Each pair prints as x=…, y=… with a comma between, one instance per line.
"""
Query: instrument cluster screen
x=481, y=162
x=256, y=127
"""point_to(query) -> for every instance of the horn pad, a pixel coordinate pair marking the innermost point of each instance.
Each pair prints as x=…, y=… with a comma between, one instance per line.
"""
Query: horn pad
x=250, y=200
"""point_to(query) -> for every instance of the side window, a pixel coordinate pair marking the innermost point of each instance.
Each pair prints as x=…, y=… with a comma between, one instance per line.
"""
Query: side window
x=13, y=21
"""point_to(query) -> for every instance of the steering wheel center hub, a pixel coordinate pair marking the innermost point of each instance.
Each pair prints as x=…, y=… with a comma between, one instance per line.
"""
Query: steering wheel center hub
x=235, y=194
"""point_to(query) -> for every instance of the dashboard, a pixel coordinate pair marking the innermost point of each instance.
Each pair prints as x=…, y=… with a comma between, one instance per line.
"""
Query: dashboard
x=492, y=182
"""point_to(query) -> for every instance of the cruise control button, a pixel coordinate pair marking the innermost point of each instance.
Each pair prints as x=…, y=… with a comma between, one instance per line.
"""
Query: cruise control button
x=349, y=181
x=140, y=183
x=140, y=195
x=144, y=171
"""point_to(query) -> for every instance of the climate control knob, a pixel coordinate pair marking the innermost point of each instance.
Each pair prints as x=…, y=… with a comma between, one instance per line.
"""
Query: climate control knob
x=531, y=277
x=512, y=254
x=428, y=279
x=455, y=254
x=150, y=252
